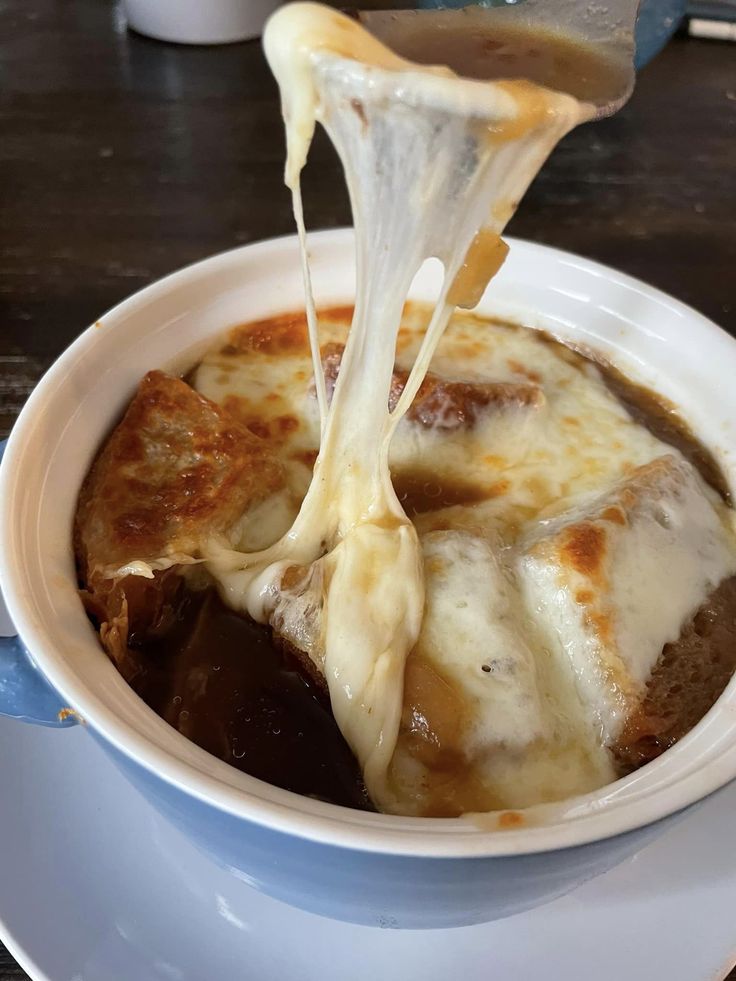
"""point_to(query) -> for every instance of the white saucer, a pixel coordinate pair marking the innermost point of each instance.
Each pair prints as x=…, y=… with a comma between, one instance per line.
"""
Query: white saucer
x=95, y=886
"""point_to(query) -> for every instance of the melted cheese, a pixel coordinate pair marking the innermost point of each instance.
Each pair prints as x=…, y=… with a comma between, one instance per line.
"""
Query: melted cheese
x=515, y=735
x=534, y=460
x=615, y=577
x=532, y=727
x=403, y=618
x=471, y=606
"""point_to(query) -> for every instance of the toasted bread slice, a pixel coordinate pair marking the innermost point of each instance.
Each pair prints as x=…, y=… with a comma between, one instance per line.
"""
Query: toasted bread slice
x=442, y=403
x=616, y=579
x=175, y=471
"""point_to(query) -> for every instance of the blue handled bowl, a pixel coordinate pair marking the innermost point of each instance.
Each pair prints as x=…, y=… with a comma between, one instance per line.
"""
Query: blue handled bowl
x=369, y=868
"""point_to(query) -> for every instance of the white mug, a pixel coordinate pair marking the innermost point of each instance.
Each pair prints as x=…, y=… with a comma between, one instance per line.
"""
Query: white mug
x=199, y=21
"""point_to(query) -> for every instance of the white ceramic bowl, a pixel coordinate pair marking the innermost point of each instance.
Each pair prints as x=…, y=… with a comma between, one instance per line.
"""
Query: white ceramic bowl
x=369, y=868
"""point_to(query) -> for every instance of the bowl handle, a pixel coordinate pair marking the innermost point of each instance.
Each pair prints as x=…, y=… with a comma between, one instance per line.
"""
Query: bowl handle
x=24, y=692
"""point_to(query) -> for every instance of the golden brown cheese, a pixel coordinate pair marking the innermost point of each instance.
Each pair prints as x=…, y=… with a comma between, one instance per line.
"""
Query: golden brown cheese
x=442, y=403
x=277, y=335
x=176, y=470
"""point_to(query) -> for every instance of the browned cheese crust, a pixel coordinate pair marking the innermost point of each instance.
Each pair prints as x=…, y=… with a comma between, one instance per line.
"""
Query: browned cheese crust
x=441, y=403
x=176, y=470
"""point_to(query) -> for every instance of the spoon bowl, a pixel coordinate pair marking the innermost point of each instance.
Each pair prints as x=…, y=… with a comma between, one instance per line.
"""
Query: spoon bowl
x=586, y=50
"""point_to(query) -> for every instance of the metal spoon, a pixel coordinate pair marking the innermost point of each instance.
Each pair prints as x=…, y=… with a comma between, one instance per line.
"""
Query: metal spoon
x=583, y=47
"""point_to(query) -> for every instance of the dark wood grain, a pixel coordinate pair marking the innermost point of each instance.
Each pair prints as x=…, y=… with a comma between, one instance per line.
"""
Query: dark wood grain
x=122, y=159
x=9, y=970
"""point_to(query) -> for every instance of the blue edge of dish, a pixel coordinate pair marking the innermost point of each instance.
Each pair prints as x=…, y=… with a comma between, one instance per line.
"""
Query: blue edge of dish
x=24, y=692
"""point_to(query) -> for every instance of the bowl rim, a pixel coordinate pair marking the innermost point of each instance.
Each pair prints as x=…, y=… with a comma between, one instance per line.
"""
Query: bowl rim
x=594, y=817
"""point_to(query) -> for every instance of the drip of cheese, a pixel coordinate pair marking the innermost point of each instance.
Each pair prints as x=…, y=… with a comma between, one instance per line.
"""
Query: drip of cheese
x=430, y=160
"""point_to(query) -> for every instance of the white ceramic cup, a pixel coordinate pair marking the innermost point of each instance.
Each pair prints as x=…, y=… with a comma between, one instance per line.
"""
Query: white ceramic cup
x=369, y=868
x=199, y=21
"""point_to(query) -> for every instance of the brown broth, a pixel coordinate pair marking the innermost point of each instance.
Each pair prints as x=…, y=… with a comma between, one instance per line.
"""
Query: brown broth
x=689, y=677
x=661, y=419
x=420, y=491
x=220, y=679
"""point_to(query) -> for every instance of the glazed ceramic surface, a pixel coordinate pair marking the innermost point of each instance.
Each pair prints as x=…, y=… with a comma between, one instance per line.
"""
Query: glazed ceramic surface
x=97, y=886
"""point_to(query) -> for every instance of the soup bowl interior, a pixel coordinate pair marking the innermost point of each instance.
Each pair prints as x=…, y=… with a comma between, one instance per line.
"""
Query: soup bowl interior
x=652, y=338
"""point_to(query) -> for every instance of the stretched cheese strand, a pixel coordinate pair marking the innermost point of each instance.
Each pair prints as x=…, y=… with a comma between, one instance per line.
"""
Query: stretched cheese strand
x=434, y=165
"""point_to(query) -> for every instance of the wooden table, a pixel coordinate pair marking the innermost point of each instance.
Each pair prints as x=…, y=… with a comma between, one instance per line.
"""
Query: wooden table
x=123, y=159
